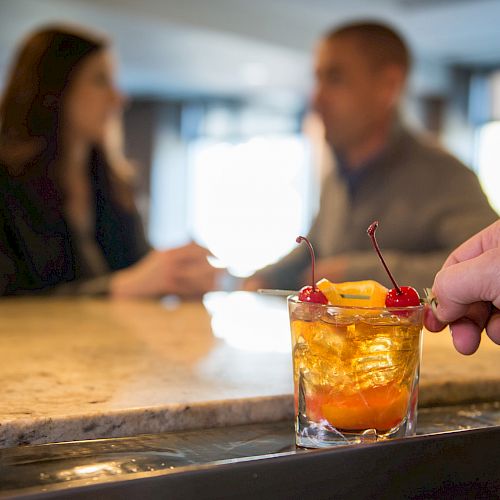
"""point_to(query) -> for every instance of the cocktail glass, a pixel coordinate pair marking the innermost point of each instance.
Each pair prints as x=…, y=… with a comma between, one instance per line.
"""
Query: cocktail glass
x=356, y=372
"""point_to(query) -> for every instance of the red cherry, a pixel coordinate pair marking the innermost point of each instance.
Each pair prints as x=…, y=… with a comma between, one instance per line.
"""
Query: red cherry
x=311, y=293
x=308, y=294
x=407, y=297
x=403, y=296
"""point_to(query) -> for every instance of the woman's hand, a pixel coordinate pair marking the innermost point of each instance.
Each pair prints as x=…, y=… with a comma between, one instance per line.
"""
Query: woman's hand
x=182, y=271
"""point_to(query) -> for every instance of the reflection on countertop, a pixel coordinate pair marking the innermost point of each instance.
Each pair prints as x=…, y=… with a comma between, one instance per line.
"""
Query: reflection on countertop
x=249, y=322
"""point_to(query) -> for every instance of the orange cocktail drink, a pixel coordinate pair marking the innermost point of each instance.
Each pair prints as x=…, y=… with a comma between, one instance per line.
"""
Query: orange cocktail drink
x=355, y=371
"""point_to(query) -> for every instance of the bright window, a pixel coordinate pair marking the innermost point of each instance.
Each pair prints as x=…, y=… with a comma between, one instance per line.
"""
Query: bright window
x=250, y=199
x=488, y=161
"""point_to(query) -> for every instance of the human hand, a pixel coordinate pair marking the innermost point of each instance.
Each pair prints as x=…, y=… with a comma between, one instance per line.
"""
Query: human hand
x=331, y=268
x=253, y=283
x=183, y=271
x=467, y=289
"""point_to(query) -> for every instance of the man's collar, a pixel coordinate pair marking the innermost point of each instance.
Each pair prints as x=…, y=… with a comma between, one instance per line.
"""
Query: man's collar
x=393, y=139
x=354, y=176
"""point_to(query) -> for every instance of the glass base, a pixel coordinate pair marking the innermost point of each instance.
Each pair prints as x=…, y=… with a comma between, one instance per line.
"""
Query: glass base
x=323, y=435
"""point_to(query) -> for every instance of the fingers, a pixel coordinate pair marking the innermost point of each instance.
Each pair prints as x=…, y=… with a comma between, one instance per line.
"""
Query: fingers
x=493, y=327
x=183, y=271
x=195, y=274
x=431, y=322
x=466, y=336
x=186, y=253
x=466, y=330
x=194, y=278
x=468, y=291
x=459, y=285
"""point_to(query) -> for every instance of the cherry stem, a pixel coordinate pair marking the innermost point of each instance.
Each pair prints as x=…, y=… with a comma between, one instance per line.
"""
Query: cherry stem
x=371, y=233
x=300, y=239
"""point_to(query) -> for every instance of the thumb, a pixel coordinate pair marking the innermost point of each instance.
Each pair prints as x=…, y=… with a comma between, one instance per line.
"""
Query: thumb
x=475, y=280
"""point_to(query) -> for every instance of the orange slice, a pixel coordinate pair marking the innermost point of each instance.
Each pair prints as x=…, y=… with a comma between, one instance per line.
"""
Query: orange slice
x=380, y=408
x=367, y=293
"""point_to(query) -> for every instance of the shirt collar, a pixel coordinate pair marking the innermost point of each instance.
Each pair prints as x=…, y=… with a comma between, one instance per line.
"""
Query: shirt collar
x=353, y=177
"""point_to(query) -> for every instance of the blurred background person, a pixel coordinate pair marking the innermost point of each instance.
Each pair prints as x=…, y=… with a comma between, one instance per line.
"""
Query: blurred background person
x=427, y=201
x=68, y=220
x=218, y=119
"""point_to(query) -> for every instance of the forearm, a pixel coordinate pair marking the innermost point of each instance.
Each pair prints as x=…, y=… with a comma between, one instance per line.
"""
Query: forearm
x=94, y=287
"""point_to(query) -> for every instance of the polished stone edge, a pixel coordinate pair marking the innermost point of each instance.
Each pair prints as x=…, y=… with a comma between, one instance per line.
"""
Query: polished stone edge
x=458, y=392
x=151, y=420
x=188, y=416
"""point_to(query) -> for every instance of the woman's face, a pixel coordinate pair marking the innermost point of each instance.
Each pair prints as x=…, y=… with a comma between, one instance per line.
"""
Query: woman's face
x=92, y=99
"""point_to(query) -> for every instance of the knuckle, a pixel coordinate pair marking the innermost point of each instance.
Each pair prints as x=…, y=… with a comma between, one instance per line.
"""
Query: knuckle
x=491, y=277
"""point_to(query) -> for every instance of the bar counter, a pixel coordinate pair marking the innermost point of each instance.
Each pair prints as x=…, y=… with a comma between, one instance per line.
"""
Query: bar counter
x=75, y=369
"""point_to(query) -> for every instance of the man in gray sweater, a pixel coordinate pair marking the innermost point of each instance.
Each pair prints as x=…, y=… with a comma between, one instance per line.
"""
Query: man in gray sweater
x=426, y=200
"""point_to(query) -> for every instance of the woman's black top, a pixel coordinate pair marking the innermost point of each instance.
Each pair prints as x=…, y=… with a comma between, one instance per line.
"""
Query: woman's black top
x=39, y=253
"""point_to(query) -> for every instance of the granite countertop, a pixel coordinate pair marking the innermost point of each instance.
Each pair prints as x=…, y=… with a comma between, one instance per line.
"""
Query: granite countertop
x=75, y=369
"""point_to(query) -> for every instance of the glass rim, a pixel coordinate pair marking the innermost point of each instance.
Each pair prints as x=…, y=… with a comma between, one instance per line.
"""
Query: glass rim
x=293, y=298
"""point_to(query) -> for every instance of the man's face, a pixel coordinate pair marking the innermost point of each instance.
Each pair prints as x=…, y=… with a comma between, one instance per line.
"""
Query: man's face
x=352, y=96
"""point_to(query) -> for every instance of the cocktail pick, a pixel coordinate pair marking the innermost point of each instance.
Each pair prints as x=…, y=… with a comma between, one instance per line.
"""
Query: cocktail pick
x=430, y=299
x=286, y=293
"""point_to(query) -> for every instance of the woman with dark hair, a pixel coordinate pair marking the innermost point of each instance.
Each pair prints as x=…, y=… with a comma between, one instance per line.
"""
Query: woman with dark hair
x=68, y=223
